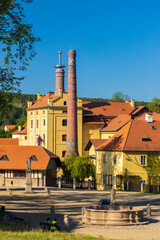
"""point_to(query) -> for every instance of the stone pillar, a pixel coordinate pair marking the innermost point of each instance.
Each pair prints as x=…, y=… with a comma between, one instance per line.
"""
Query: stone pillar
x=72, y=145
x=59, y=182
x=74, y=184
x=89, y=184
x=28, y=188
x=66, y=222
x=113, y=196
x=148, y=210
x=44, y=179
x=142, y=186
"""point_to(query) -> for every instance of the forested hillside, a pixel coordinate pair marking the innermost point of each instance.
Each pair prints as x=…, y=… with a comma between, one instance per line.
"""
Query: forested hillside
x=17, y=111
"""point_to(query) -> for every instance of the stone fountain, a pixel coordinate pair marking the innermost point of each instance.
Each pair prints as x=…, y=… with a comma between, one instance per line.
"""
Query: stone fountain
x=113, y=214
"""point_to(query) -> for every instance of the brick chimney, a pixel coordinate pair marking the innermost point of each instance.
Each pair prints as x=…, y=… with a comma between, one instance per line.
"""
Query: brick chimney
x=72, y=145
x=158, y=107
x=59, y=76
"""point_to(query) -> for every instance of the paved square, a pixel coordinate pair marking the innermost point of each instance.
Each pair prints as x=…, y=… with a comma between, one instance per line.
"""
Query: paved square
x=36, y=208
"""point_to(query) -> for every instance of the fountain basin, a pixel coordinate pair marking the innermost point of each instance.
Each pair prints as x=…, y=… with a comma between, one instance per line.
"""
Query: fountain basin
x=113, y=215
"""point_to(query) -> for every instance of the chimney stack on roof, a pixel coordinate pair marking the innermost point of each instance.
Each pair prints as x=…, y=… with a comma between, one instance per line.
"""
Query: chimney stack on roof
x=59, y=76
x=72, y=145
x=158, y=107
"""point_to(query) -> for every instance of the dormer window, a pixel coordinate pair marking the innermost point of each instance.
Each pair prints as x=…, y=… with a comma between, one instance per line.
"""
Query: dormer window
x=33, y=158
x=4, y=158
x=117, y=138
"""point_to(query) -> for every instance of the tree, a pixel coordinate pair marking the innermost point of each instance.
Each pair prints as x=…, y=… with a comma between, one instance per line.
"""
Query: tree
x=119, y=97
x=80, y=167
x=152, y=105
x=17, y=48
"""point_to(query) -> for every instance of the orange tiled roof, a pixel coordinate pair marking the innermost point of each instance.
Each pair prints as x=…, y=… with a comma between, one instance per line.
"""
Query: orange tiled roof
x=137, y=135
x=23, y=131
x=15, y=132
x=43, y=101
x=10, y=126
x=95, y=142
x=107, y=109
x=156, y=116
x=17, y=156
x=117, y=123
x=9, y=141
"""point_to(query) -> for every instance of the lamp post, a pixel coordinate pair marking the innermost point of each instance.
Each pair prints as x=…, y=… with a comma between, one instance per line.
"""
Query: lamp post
x=149, y=168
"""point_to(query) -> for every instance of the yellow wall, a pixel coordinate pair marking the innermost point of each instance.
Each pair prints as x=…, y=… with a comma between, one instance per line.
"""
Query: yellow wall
x=53, y=129
x=132, y=167
x=90, y=131
x=23, y=139
x=108, y=168
x=106, y=135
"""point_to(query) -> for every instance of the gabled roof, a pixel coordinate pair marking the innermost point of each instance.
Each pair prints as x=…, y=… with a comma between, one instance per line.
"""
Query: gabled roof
x=136, y=135
x=23, y=131
x=117, y=123
x=156, y=116
x=17, y=157
x=107, y=109
x=9, y=127
x=95, y=142
x=43, y=101
x=9, y=141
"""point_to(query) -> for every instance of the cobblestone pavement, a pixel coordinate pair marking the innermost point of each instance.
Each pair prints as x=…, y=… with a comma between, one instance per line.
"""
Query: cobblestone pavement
x=36, y=208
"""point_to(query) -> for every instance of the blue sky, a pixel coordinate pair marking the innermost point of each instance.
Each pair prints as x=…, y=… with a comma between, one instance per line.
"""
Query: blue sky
x=117, y=44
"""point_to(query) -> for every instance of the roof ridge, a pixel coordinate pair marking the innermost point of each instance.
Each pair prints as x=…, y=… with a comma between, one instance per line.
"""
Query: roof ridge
x=127, y=134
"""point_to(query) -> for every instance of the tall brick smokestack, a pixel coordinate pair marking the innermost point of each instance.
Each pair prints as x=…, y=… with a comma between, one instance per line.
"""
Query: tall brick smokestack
x=59, y=76
x=72, y=145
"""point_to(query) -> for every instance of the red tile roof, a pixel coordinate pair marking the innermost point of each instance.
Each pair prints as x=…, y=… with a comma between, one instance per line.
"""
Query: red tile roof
x=15, y=132
x=43, y=101
x=95, y=142
x=107, y=109
x=9, y=141
x=117, y=123
x=10, y=126
x=17, y=156
x=137, y=135
x=23, y=131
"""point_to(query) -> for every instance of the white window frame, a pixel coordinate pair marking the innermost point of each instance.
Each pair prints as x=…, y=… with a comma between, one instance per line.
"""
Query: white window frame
x=114, y=159
x=143, y=160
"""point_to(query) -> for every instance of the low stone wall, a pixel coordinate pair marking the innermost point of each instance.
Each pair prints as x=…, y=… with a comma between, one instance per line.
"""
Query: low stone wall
x=116, y=215
x=21, y=182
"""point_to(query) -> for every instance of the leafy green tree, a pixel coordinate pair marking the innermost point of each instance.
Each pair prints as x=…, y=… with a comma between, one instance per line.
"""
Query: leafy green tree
x=119, y=97
x=152, y=105
x=16, y=49
x=80, y=167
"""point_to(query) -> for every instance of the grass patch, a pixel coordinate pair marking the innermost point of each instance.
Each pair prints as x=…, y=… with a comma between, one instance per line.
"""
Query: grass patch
x=147, y=191
x=8, y=232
